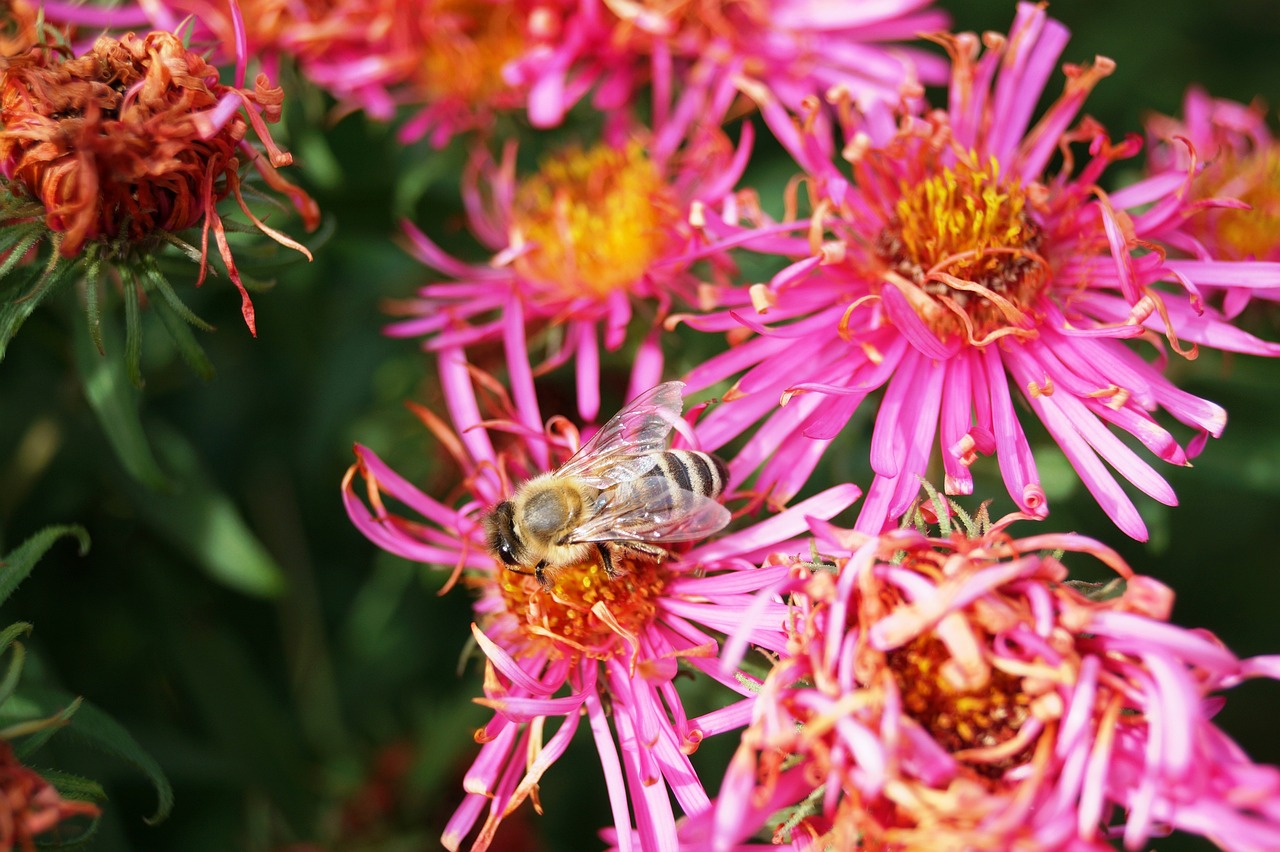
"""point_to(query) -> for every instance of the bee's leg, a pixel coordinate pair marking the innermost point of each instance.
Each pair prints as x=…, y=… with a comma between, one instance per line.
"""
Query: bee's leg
x=606, y=559
x=644, y=550
x=610, y=550
x=540, y=572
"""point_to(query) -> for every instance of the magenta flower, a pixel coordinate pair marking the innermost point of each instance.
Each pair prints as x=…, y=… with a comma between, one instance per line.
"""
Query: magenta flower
x=960, y=693
x=952, y=267
x=798, y=48
x=595, y=236
x=444, y=59
x=1239, y=181
x=588, y=641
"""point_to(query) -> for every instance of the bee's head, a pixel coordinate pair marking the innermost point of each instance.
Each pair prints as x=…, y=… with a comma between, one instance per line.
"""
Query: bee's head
x=500, y=532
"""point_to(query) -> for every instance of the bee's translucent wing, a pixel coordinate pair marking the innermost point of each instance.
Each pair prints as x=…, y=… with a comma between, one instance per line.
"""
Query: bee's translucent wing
x=652, y=509
x=619, y=451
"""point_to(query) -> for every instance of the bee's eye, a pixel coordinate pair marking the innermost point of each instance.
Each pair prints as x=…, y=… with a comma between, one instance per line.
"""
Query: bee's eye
x=506, y=553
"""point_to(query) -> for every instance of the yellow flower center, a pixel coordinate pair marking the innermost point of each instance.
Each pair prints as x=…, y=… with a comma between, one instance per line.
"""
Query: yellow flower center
x=585, y=608
x=1242, y=234
x=598, y=219
x=467, y=44
x=963, y=248
x=960, y=720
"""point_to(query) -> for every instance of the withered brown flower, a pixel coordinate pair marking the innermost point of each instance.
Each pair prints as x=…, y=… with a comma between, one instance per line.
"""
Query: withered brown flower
x=29, y=805
x=19, y=27
x=135, y=139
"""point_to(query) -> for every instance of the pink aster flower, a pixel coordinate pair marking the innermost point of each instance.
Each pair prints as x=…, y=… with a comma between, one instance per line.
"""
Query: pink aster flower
x=588, y=647
x=799, y=48
x=961, y=693
x=1239, y=182
x=594, y=237
x=445, y=59
x=954, y=267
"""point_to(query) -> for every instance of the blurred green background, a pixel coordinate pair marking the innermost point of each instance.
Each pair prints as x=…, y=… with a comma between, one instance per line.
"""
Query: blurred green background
x=297, y=685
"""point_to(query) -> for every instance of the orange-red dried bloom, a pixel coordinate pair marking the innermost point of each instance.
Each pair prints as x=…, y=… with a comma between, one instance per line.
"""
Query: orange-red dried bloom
x=29, y=805
x=19, y=27
x=133, y=138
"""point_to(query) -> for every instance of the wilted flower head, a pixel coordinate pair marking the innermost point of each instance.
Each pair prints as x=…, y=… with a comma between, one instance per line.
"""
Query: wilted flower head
x=596, y=234
x=1238, y=180
x=19, y=27
x=133, y=141
x=956, y=692
x=589, y=646
x=30, y=807
x=954, y=266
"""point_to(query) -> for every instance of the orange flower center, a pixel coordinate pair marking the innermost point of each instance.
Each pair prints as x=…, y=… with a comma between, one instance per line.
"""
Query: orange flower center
x=599, y=219
x=963, y=249
x=466, y=45
x=585, y=607
x=1242, y=234
x=960, y=720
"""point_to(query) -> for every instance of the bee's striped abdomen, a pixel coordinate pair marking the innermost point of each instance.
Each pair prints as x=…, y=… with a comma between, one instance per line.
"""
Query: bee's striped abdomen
x=701, y=473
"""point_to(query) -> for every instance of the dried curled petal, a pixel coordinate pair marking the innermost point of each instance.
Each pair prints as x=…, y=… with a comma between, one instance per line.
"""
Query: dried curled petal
x=133, y=138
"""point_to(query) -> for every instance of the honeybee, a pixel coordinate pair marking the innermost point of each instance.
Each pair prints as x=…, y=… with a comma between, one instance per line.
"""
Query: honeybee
x=623, y=491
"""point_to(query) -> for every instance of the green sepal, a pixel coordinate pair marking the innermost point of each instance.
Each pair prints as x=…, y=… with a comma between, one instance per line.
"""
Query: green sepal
x=19, y=562
x=132, y=328
x=75, y=788
x=92, y=307
x=39, y=731
x=10, y=680
x=15, y=312
x=1099, y=592
x=16, y=243
x=12, y=632
x=156, y=282
x=115, y=402
x=178, y=319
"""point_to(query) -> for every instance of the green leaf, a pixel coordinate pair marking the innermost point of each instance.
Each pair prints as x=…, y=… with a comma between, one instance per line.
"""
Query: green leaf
x=10, y=681
x=114, y=401
x=157, y=283
x=204, y=523
x=178, y=319
x=73, y=786
x=16, y=249
x=19, y=562
x=132, y=328
x=15, y=312
x=12, y=632
x=92, y=309
x=99, y=730
x=39, y=731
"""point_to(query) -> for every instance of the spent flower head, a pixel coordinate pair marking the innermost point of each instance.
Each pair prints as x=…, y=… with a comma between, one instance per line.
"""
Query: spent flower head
x=953, y=266
x=587, y=646
x=961, y=692
x=112, y=153
x=30, y=807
